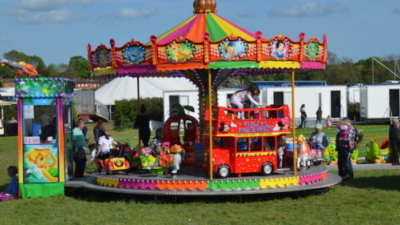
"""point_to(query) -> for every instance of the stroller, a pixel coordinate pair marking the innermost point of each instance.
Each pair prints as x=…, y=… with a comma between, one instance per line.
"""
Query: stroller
x=116, y=161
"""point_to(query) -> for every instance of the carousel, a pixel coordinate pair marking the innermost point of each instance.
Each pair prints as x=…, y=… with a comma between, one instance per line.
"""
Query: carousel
x=243, y=152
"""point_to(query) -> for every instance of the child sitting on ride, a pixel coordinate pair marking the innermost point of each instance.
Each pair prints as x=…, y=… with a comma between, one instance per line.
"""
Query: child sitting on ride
x=103, y=148
x=303, y=152
x=281, y=149
x=241, y=97
x=105, y=142
x=12, y=189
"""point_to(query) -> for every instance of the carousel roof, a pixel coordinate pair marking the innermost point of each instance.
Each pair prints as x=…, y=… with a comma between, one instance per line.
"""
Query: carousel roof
x=197, y=25
x=208, y=41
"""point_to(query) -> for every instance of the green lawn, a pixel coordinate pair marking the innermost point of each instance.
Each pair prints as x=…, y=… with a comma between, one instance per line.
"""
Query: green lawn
x=371, y=198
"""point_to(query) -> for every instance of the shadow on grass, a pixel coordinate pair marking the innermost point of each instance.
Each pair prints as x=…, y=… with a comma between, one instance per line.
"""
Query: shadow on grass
x=383, y=183
x=97, y=196
x=3, y=187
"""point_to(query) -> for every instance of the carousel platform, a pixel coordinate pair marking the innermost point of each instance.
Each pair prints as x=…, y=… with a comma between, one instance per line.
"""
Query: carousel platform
x=192, y=181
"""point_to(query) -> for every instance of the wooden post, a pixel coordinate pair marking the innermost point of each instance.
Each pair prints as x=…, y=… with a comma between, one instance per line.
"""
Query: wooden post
x=138, y=103
x=294, y=126
x=210, y=138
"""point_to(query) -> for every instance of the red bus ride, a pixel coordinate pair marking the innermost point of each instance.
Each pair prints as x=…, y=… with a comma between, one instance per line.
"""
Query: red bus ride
x=247, y=145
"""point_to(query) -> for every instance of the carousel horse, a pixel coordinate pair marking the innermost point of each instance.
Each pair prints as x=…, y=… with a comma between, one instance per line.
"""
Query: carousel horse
x=303, y=153
x=178, y=153
x=170, y=157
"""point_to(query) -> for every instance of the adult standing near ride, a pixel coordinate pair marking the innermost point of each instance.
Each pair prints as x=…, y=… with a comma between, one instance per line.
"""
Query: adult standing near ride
x=96, y=130
x=318, y=139
x=79, y=143
x=394, y=140
x=44, y=119
x=241, y=97
x=345, y=145
x=78, y=137
x=143, y=123
x=303, y=117
x=319, y=115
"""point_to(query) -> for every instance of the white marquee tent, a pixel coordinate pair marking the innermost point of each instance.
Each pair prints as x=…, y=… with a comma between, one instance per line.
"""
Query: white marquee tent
x=125, y=88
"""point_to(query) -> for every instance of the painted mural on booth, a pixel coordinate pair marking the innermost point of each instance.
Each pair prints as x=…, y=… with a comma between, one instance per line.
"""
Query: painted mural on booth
x=40, y=163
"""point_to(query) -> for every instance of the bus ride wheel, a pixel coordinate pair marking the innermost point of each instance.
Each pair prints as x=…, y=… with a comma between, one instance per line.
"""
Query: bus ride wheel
x=223, y=171
x=267, y=168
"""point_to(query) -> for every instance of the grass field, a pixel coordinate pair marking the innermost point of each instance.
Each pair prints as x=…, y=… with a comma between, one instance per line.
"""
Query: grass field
x=371, y=198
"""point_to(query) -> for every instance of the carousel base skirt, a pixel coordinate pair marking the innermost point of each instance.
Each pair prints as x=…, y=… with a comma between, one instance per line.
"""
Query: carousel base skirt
x=192, y=181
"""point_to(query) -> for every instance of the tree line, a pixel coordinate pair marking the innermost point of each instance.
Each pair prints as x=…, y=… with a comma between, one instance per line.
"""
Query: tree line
x=338, y=71
x=77, y=67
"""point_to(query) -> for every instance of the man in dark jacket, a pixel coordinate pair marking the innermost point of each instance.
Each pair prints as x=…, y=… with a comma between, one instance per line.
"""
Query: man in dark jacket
x=394, y=140
x=143, y=123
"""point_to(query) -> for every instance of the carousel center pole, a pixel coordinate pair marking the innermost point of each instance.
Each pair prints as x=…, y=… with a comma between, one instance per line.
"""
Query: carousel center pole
x=294, y=127
x=138, y=104
x=210, y=138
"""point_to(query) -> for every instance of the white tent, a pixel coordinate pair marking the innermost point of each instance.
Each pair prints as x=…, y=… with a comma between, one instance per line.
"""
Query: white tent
x=7, y=91
x=125, y=88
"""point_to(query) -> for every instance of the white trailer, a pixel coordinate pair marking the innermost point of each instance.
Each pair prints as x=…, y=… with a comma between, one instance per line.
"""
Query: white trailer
x=379, y=103
x=353, y=93
x=86, y=106
x=2, y=120
x=332, y=99
x=191, y=97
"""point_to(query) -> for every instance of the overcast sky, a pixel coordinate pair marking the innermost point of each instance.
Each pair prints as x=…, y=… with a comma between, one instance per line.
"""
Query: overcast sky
x=56, y=30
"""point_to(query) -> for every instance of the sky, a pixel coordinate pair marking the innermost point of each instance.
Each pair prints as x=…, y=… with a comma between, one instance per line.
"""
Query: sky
x=57, y=30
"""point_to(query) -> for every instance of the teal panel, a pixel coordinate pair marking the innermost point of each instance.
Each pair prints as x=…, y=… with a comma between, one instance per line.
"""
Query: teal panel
x=43, y=87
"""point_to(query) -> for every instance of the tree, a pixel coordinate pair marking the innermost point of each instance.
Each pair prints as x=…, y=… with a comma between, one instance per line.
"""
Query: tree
x=52, y=71
x=371, y=74
x=6, y=72
x=66, y=71
x=80, y=66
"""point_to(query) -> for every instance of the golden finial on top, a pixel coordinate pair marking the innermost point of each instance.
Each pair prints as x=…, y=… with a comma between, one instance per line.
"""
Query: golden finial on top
x=203, y=6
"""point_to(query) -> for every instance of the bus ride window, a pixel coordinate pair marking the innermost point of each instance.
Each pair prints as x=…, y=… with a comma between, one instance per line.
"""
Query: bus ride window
x=229, y=142
x=256, y=144
x=229, y=114
x=219, y=142
x=269, y=143
x=272, y=114
x=242, y=145
x=266, y=114
x=281, y=114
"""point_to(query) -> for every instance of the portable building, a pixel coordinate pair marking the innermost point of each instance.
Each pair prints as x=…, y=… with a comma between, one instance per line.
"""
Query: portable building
x=378, y=103
x=353, y=93
x=332, y=99
x=86, y=106
x=191, y=97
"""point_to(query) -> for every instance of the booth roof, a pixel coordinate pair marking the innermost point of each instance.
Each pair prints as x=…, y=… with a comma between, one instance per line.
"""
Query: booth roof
x=125, y=88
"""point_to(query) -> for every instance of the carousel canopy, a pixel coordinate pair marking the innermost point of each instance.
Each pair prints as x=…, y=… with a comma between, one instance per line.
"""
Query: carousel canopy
x=196, y=26
x=122, y=88
x=208, y=41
